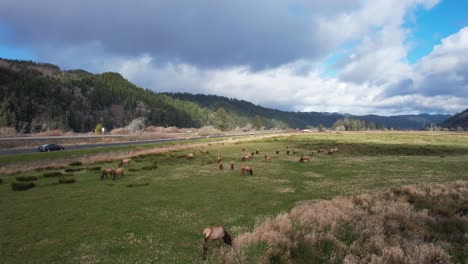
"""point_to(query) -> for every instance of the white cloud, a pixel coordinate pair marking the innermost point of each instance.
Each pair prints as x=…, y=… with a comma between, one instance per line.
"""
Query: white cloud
x=374, y=76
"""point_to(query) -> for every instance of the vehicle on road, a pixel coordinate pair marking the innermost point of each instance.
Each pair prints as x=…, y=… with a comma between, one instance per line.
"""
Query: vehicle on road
x=50, y=147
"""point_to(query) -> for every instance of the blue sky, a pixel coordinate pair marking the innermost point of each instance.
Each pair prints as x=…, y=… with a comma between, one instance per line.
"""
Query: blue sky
x=354, y=56
x=430, y=26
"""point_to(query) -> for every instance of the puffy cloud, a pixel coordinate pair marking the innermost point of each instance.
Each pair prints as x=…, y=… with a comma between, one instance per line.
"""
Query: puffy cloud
x=269, y=53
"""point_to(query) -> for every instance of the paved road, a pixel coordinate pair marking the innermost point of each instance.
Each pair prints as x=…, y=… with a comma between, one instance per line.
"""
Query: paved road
x=114, y=144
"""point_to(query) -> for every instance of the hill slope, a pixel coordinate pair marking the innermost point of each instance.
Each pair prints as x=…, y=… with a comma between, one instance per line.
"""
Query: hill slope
x=459, y=120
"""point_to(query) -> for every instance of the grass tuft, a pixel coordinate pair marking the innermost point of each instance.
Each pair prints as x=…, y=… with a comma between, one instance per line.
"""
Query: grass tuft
x=52, y=174
x=131, y=185
x=26, y=178
x=22, y=186
x=72, y=169
x=76, y=163
x=66, y=180
x=96, y=168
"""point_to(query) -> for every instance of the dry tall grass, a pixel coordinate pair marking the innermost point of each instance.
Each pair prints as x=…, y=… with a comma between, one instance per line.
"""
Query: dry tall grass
x=423, y=224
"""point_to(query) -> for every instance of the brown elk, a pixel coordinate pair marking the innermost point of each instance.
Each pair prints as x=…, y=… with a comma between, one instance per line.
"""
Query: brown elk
x=232, y=165
x=204, y=152
x=106, y=172
x=219, y=159
x=124, y=162
x=246, y=157
x=287, y=152
x=295, y=151
x=221, y=165
x=246, y=169
x=215, y=233
x=267, y=158
x=304, y=158
x=277, y=151
x=118, y=172
x=257, y=151
x=191, y=156
x=313, y=152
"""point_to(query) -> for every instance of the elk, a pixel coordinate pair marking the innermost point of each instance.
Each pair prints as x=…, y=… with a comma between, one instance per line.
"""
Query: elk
x=267, y=158
x=106, y=172
x=118, y=172
x=304, y=158
x=215, y=233
x=247, y=169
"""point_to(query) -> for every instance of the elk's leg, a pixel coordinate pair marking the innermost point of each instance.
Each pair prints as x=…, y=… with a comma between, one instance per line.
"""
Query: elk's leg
x=205, y=249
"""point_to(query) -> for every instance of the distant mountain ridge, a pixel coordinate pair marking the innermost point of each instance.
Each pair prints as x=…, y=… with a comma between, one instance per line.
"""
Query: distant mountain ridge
x=41, y=96
x=304, y=119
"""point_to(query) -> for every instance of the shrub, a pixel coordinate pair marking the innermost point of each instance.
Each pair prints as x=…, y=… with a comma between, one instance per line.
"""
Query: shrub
x=26, y=178
x=75, y=163
x=98, y=129
x=72, y=169
x=131, y=185
x=96, y=168
x=22, y=186
x=150, y=167
x=52, y=174
x=65, y=180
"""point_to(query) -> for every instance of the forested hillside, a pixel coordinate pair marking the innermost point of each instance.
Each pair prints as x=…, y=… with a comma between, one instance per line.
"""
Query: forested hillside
x=37, y=97
x=459, y=120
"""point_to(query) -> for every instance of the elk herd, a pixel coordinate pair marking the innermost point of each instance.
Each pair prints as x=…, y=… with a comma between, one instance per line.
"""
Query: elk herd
x=219, y=233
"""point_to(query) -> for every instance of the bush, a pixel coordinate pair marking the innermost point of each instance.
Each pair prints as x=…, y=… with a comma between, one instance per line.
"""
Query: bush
x=151, y=167
x=22, y=186
x=52, y=174
x=98, y=129
x=64, y=180
x=75, y=163
x=72, y=169
x=97, y=168
x=26, y=178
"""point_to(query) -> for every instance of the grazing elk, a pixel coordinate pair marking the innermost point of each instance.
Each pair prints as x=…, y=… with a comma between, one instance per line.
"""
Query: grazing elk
x=304, y=158
x=232, y=165
x=277, y=151
x=124, y=162
x=295, y=151
x=118, y=172
x=257, y=151
x=215, y=233
x=313, y=152
x=246, y=157
x=287, y=152
x=106, y=172
x=267, y=158
x=219, y=159
x=247, y=169
x=221, y=165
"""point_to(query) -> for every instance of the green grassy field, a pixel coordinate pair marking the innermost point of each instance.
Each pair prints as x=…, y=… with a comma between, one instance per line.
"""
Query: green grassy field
x=156, y=215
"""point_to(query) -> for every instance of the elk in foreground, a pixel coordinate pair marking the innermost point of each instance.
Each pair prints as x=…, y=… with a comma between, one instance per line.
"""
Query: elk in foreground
x=215, y=233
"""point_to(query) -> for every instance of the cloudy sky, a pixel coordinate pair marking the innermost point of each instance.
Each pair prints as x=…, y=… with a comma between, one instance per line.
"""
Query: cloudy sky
x=351, y=56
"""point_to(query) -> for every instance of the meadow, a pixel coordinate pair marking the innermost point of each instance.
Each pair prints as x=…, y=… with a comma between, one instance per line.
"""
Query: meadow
x=157, y=211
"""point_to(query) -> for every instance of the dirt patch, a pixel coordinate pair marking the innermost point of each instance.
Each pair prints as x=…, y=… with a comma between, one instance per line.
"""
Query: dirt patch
x=285, y=190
